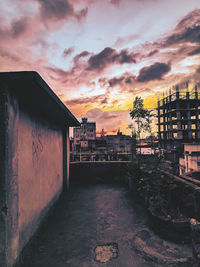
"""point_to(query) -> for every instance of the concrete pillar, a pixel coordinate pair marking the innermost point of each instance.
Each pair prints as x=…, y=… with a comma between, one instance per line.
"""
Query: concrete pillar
x=189, y=121
x=177, y=92
x=68, y=153
x=159, y=134
x=197, y=121
x=170, y=123
x=196, y=92
x=178, y=117
x=164, y=125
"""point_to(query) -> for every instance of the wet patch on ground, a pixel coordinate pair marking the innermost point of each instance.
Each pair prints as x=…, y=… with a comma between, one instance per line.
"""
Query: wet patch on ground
x=106, y=252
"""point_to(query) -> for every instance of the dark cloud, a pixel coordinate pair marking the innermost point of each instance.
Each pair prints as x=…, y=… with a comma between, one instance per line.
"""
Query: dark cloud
x=18, y=27
x=107, y=116
x=104, y=101
x=130, y=79
x=153, y=72
x=102, y=81
x=81, y=14
x=153, y=53
x=58, y=9
x=189, y=21
x=188, y=35
x=109, y=120
x=115, y=81
x=109, y=56
x=57, y=71
x=125, y=79
x=100, y=60
x=115, y=2
x=68, y=51
x=198, y=70
x=86, y=100
x=9, y=56
x=194, y=52
x=187, y=30
x=125, y=57
x=82, y=54
x=103, y=115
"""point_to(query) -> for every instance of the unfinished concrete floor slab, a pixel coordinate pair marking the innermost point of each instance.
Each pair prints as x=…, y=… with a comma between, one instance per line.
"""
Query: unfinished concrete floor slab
x=99, y=225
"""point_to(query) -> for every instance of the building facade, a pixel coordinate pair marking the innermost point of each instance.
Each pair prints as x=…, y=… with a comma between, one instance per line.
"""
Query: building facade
x=178, y=122
x=119, y=143
x=84, y=135
x=86, y=146
x=190, y=160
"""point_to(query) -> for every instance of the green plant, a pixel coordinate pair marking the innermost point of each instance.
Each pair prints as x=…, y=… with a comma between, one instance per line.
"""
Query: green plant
x=143, y=119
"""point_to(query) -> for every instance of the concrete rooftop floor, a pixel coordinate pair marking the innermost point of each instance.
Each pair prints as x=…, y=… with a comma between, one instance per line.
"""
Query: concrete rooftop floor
x=99, y=225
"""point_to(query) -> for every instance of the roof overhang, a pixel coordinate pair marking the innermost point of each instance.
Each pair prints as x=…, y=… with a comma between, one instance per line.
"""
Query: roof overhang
x=35, y=95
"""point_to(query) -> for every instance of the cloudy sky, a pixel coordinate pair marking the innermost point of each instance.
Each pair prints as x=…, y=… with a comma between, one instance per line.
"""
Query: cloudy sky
x=97, y=55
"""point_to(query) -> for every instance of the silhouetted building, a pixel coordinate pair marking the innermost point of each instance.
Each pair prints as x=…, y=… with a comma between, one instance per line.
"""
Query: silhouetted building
x=178, y=122
x=87, y=147
x=119, y=143
x=84, y=135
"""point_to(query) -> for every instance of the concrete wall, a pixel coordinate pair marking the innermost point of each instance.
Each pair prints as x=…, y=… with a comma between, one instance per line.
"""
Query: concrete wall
x=40, y=170
x=32, y=154
x=98, y=171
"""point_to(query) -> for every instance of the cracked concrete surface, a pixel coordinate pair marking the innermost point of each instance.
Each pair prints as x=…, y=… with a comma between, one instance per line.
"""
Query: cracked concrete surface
x=96, y=225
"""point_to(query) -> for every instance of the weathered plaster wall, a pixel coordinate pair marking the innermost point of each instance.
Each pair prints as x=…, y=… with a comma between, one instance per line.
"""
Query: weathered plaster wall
x=34, y=157
x=9, y=236
x=40, y=172
x=31, y=175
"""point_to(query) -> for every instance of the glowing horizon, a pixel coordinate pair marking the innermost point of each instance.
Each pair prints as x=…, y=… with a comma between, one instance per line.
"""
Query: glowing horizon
x=98, y=56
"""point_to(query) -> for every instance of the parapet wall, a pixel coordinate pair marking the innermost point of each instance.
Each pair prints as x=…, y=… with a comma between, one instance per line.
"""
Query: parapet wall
x=98, y=171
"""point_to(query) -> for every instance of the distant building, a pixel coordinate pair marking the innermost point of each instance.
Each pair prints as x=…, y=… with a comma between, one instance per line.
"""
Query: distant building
x=147, y=146
x=87, y=147
x=119, y=143
x=178, y=122
x=190, y=161
x=84, y=135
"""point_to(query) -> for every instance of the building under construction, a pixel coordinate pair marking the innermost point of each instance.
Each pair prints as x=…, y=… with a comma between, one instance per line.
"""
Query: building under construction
x=178, y=122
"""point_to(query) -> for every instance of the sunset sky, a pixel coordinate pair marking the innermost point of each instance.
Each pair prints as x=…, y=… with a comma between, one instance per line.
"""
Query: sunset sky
x=98, y=55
